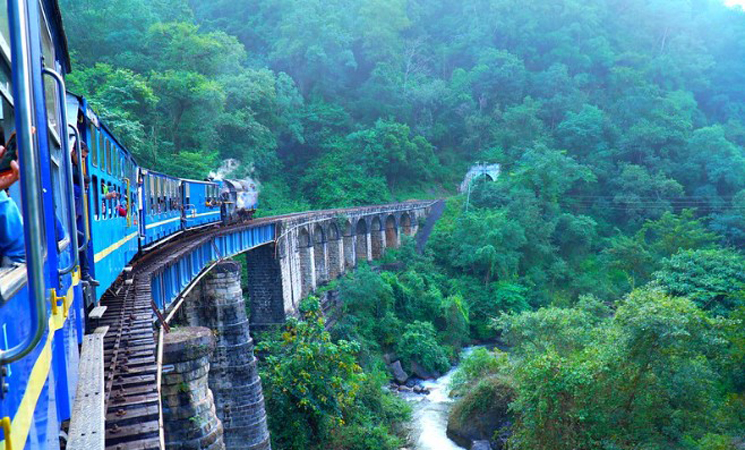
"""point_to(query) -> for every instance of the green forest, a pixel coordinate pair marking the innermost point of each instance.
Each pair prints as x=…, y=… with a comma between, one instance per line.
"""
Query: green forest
x=606, y=257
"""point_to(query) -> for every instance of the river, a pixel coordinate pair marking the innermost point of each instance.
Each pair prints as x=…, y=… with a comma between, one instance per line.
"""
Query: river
x=429, y=418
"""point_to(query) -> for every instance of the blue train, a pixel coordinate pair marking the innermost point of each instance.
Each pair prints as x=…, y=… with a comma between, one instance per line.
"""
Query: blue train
x=121, y=211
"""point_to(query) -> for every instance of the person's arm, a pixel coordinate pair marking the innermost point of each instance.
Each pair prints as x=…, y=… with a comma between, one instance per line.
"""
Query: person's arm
x=11, y=230
x=8, y=178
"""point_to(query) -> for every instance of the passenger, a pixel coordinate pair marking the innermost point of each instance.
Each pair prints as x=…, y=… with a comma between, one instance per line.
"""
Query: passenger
x=12, y=245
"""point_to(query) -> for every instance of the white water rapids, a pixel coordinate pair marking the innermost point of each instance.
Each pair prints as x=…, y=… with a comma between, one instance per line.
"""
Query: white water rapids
x=429, y=418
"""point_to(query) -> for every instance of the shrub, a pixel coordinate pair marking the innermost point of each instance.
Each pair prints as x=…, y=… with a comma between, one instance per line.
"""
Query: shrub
x=419, y=344
x=484, y=410
x=479, y=364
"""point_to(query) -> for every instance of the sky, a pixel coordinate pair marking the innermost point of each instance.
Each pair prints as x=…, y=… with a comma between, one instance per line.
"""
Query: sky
x=735, y=2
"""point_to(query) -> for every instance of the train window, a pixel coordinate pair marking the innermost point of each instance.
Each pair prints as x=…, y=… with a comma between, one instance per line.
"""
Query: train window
x=4, y=30
x=187, y=194
x=104, y=153
x=151, y=195
x=7, y=117
x=159, y=186
x=50, y=86
x=108, y=154
x=116, y=162
x=97, y=207
x=109, y=205
x=93, y=139
x=167, y=196
x=102, y=150
x=104, y=210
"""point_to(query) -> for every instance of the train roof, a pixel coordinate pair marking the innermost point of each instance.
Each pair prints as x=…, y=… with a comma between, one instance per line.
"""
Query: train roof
x=99, y=123
x=159, y=174
x=200, y=181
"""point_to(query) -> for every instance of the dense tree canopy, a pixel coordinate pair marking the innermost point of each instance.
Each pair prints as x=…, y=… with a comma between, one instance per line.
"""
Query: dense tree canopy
x=607, y=252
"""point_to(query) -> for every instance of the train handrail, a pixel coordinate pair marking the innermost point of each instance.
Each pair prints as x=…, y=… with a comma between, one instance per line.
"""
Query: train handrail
x=7, y=428
x=128, y=198
x=81, y=183
x=30, y=181
x=67, y=160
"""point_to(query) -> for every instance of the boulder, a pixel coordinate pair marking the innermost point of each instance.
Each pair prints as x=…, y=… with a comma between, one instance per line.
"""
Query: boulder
x=483, y=412
x=420, y=372
x=417, y=389
x=398, y=372
x=481, y=445
x=387, y=358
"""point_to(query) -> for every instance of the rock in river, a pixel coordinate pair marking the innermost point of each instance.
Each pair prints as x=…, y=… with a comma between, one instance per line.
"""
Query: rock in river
x=398, y=372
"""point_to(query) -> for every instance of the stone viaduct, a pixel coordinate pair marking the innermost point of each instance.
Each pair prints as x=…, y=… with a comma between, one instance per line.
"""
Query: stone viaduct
x=314, y=248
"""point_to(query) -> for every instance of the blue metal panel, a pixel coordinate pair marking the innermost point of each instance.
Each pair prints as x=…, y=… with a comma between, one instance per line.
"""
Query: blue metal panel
x=201, y=206
x=162, y=205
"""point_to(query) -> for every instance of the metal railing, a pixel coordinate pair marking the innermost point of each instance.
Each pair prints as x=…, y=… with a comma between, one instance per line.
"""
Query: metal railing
x=66, y=158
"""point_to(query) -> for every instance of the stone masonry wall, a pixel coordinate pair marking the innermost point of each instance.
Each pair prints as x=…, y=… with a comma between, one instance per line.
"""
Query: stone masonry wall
x=233, y=376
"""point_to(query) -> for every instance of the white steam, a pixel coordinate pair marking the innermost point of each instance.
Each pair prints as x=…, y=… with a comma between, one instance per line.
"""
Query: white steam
x=227, y=167
x=248, y=196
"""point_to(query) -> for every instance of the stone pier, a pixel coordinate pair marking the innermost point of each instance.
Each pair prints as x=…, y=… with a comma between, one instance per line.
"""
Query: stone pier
x=190, y=422
x=217, y=302
x=264, y=288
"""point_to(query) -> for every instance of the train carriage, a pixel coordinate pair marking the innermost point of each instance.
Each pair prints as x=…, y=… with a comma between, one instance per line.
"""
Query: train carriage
x=112, y=209
x=160, y=214
x=201, y=203
x=40, y=294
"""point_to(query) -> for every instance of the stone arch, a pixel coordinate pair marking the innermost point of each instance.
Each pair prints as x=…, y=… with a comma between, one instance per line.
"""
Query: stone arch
x=406, y=224
x=391, y=232
x=319, y=254
x=361, y=239
x=485, y=176
x=307, y=263
x=335, y=249
x=350, y=259
x=377, y=242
